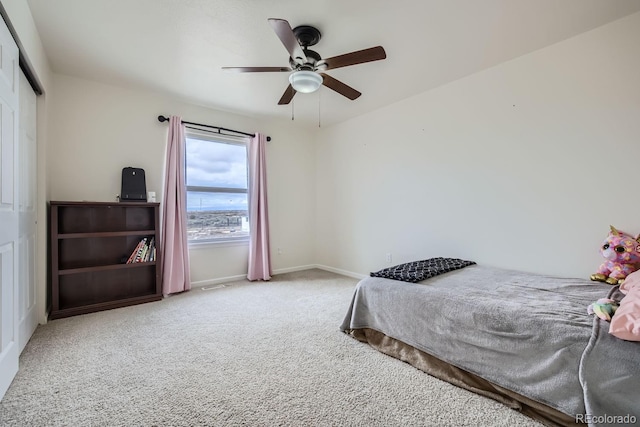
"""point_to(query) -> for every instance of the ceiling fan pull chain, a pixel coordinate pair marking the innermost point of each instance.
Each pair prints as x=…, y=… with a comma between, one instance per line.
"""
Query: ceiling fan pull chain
x=319, y=108
x=292, y=104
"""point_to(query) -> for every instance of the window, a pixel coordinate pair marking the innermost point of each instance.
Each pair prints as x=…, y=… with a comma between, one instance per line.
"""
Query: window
x=216, y=179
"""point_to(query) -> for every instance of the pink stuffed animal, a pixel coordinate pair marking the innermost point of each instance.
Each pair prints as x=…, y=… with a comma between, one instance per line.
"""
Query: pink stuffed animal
x=622, y=252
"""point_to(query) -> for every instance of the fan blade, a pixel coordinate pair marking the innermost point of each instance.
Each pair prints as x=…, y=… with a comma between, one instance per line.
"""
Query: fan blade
x=256, y=69
x=287, y=96
x=285, y=34
x=359, y=57
x=339, y=87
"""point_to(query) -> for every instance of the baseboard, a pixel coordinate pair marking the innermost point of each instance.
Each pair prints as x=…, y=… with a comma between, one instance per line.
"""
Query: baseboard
x=292, y=269
x=340, y=271
x=222, y=280
x=320, y=267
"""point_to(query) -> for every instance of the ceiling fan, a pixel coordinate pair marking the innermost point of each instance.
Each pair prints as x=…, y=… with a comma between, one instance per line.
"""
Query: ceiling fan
x=306, y=66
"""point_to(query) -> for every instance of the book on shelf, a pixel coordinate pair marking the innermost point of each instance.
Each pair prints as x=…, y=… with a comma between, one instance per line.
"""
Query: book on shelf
x=135, y=255
x=135, y=251
x=152, y=247
x=145, y=251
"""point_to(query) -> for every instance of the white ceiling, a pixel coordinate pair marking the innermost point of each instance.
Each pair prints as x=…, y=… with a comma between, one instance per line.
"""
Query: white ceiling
x=179, y=46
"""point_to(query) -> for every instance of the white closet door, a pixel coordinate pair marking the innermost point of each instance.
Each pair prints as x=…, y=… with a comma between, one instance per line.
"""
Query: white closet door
x=27, y=214
x=9, y=175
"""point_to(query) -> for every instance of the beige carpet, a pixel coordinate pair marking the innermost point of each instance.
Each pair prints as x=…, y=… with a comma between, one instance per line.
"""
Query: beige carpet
x=247, y=354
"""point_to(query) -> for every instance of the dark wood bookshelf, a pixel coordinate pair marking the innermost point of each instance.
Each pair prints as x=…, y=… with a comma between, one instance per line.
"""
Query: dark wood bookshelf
x=90, y=243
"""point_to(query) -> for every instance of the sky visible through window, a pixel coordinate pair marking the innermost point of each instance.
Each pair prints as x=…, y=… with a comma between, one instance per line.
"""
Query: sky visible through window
x=212, y=164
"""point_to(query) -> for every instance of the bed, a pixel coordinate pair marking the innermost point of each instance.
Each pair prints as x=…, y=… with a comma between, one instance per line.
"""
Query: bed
x=520, y=338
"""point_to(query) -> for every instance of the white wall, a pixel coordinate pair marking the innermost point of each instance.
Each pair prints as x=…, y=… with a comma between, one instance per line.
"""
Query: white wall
x=509, y=167
x=521, y=166
x=98, y=129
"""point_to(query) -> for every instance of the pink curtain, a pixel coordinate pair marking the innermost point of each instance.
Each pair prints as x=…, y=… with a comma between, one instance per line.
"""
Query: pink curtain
x=259, y=252
x=175, y=252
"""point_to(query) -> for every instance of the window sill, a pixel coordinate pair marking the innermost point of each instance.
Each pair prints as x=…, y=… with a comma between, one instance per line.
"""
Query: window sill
x=205, y=244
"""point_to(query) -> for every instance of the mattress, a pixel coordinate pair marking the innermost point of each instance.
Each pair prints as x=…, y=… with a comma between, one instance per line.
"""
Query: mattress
x=526, y=333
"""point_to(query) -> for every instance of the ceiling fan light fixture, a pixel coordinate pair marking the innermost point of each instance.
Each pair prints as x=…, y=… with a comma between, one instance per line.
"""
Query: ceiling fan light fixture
x=305, y=81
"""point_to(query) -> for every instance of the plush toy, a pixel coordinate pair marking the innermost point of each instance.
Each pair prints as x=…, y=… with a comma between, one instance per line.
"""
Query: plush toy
x=604, y=308
x=622, y=253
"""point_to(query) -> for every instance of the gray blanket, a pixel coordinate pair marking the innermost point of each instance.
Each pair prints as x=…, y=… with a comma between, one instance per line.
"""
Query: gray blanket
x=610, y=376
x=522, y=331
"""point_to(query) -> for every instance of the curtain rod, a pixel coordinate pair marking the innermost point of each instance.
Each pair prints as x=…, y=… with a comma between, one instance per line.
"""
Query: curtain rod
x=166, y=119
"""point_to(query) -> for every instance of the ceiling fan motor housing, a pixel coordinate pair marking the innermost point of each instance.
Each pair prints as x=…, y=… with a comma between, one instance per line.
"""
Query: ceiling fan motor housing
x=313, y=58
x=307, y=35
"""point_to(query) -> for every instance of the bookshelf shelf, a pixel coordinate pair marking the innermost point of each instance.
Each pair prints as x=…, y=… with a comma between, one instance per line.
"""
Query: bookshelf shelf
x=89, y=308
x=90, y=243
x=104, y=268
x=105, y=234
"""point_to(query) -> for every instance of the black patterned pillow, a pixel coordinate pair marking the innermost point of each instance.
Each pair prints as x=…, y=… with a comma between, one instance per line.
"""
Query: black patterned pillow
x=420, y=270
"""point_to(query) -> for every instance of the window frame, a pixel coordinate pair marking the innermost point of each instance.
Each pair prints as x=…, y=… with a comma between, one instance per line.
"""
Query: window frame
x=218, y=138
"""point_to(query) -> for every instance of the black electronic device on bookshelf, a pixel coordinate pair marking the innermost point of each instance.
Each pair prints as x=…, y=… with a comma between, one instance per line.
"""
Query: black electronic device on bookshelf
x=90, y=246
x=134, y=185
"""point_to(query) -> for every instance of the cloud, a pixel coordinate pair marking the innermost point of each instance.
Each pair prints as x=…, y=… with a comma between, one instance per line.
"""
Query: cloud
x=212, y=164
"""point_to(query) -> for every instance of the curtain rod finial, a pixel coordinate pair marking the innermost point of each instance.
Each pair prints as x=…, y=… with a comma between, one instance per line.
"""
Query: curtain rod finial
x=162, y=119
